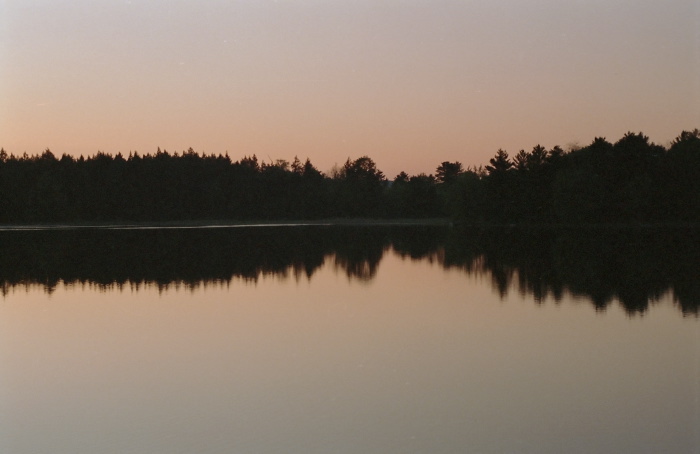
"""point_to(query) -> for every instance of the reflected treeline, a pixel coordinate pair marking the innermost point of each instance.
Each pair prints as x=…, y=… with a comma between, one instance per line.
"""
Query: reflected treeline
x=635, y=267
x=109, y=257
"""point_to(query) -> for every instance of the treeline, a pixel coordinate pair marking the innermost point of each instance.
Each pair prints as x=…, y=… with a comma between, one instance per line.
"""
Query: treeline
x=631, y=180
x=187, y=186
x=155, y=187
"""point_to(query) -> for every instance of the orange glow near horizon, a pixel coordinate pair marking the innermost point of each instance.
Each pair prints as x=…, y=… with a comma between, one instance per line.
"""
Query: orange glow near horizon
x=410, y=84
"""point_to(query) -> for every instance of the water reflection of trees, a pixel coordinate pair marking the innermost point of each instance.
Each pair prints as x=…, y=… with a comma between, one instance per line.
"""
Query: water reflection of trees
x=633, y=266
x=184, y=256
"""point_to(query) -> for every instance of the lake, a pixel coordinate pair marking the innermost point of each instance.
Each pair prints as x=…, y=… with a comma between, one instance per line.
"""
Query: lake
x=322, y=339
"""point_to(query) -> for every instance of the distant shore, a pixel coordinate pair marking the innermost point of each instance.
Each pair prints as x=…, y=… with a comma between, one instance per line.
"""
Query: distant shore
x=631, y=182
x=195, y=224
x=338, y=222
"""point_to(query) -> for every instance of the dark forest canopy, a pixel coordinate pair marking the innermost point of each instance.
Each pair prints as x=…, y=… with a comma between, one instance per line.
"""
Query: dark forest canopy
x=630, y=181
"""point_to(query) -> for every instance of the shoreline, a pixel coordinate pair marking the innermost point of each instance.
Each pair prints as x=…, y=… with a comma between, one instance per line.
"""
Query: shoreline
x=222, y=224
x=337, y=222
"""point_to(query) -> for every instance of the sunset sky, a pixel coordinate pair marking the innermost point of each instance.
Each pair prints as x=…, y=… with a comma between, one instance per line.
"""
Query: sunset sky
x=409, y=83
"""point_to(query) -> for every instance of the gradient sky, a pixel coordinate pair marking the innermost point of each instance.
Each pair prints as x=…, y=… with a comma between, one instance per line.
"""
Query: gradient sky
x=409, y=83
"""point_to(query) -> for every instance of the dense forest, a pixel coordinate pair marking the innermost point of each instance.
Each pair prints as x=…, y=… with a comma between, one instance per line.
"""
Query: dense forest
x=630, y=181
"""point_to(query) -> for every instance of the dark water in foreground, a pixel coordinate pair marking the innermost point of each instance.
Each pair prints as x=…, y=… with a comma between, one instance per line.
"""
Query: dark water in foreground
x=329, y=339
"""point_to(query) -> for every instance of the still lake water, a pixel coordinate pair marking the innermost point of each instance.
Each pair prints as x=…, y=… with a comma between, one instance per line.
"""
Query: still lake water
x=349, y=340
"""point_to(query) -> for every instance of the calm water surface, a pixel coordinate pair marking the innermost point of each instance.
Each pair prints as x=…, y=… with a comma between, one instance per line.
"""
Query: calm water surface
x=352, y=354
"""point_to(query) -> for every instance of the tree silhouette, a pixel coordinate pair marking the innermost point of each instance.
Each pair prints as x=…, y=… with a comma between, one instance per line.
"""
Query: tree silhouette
x=362, y=186
x=499, y=163
x=630, y=181
x=448, y=171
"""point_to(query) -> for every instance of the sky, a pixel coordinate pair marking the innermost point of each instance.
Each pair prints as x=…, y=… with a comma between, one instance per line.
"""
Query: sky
x=408, y=83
